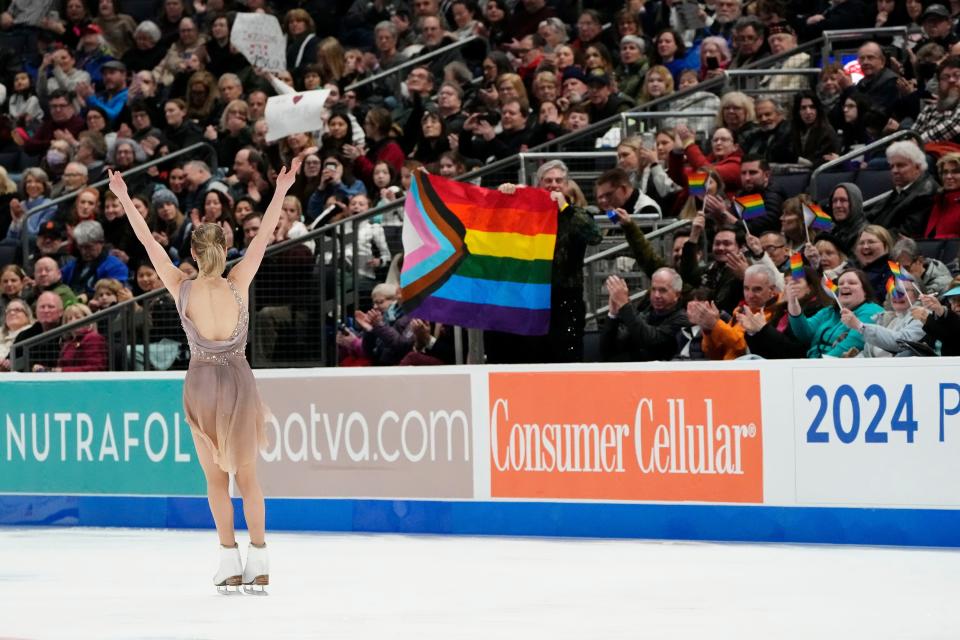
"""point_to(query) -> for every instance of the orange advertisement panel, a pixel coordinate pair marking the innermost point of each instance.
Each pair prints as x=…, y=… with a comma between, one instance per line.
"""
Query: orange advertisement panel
x=643, y=435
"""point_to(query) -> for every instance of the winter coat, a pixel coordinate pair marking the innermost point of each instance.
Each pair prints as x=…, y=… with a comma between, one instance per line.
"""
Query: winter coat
x=827, y=336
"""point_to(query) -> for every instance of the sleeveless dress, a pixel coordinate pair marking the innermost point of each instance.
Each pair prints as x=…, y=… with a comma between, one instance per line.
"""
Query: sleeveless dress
x=220, y=397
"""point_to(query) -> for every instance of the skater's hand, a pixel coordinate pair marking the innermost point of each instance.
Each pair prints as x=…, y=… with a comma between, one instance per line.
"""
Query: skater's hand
x=118, y=185
x=286, y=178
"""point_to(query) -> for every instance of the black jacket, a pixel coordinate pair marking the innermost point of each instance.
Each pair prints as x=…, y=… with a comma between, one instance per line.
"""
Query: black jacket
x=634, y=336
x=906, y=212
x=945, y=329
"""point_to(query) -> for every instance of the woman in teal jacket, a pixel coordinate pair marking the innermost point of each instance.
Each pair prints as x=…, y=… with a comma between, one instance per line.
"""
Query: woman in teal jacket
x=825, y=334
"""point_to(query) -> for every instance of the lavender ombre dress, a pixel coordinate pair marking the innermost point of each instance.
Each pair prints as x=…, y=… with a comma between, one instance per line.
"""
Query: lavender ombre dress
x=220, y=398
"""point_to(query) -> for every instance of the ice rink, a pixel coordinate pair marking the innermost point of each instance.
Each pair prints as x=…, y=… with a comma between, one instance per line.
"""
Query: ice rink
x=131, y=583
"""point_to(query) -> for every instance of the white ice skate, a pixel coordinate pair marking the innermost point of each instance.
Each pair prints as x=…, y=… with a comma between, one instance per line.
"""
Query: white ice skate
x=256, y=573
x=230, y=572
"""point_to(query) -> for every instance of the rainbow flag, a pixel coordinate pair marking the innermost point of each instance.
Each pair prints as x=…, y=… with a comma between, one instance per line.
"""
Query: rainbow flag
x=832, y=289
x=892, y=289
x=697, y=183
x=796, y=266
x=816, y=218
x=895, y=269
x=751, y=206
x=476, y=257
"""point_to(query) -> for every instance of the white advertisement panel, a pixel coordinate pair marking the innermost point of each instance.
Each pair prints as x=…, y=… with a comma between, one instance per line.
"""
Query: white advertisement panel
x=885, y=436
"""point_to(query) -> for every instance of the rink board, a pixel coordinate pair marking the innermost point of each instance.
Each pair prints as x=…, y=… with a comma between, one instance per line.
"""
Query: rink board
x=836, y=451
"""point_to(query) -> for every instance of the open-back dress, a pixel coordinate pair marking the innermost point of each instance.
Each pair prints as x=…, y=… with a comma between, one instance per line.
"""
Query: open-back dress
x=220, y=397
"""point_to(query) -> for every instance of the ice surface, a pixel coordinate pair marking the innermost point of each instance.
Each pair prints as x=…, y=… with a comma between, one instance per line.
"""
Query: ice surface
x=127, y=583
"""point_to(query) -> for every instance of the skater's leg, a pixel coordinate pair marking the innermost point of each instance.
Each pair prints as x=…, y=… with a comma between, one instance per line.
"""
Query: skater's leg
x=218, y=493
x=253, y=508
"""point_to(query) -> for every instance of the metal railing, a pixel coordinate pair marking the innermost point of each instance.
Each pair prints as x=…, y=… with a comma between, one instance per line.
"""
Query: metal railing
x=415, y=62
x=527, y=156
x=630, y=116
x=337, y=304
x=25, y=238
x=840, y=35
x=592, y=261
x=859, y=151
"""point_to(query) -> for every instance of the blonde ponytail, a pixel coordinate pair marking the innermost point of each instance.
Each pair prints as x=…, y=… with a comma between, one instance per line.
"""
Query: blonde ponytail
x=210, y=246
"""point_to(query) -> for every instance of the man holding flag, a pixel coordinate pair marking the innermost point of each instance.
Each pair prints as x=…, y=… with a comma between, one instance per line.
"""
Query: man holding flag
x=576, y=230
x=758, y=203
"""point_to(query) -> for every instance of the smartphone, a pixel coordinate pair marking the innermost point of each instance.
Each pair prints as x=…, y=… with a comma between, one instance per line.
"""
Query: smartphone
x=613, y=216
x=649, y=139
x=713, y=63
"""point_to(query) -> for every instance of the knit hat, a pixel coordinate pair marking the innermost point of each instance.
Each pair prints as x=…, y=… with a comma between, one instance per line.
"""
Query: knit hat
x=164, y=196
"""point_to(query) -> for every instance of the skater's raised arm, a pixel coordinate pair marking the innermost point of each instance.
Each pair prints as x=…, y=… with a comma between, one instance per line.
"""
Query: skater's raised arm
x=169, y=274
x=243, y=273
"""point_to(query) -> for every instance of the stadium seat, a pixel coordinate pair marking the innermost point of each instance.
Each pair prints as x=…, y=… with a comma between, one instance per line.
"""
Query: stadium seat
x=828, y=180
x=791, y=183
x=946, y=251
x=141, y=10
x=873, y=183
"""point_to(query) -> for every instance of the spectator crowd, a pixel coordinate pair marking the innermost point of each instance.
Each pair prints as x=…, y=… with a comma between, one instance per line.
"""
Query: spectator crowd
x=91, y=86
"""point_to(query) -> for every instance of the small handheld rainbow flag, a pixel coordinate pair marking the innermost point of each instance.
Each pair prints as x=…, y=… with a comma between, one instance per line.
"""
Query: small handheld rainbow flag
x=895, y=269
x=817, y=218
x=832, y=289
x=751, y=206
x=796, y=266
x=697, y=183
x=892, y=289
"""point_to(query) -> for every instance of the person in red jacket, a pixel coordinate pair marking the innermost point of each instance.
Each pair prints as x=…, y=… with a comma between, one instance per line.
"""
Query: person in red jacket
x=724, y=157
x=944, y=220
x=83, y=348
x=383, y=148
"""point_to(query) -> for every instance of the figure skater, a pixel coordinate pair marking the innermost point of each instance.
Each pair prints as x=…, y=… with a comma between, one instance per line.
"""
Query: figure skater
x=220, y=398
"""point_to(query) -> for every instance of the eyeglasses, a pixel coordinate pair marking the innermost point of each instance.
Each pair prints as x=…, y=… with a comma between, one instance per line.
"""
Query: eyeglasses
x=772, y=247
x=10, y=310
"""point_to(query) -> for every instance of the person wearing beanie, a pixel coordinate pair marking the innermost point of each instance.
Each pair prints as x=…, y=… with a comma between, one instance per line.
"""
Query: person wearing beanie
x=633, y=65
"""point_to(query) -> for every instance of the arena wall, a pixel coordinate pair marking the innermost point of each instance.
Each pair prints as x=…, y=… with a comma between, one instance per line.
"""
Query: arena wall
x=838, y=451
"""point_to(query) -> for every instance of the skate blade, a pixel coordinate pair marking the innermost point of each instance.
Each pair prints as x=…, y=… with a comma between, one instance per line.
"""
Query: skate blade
x=229, y=590
x=255, y=590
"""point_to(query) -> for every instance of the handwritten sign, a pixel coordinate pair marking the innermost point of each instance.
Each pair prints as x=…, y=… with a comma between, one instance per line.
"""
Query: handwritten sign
x=261, y=41
x=295, y=113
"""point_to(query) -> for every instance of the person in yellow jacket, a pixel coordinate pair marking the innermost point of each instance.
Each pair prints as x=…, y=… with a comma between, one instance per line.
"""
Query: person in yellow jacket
x=724, y=339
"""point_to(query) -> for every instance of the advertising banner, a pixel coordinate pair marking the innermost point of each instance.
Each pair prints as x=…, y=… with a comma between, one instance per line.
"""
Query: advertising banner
x=627, y=435
x=260, y=39
x=108, y=437
x=872, y=436
x=374, y=436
